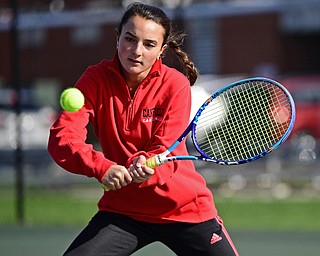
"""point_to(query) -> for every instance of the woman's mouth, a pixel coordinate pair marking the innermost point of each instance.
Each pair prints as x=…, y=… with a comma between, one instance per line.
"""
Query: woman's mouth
x=135, y=61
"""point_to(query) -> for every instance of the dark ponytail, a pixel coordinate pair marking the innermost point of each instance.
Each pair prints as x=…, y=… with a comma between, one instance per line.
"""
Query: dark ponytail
x=175, y=42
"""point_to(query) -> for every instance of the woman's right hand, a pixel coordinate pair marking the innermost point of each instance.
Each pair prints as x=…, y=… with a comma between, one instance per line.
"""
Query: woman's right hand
x=116, y=177
x=139, y=171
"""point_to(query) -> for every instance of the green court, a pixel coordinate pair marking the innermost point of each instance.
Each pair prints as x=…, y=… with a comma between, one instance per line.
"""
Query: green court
x=259, y=226
x=27, y=241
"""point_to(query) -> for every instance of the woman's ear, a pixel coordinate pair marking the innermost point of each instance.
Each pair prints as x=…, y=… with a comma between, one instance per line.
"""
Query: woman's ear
x=117, y=38
x=163, y=48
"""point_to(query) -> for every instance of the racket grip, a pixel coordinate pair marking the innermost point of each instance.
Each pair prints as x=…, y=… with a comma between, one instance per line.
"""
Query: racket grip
x=152, y=162
x=105, y=187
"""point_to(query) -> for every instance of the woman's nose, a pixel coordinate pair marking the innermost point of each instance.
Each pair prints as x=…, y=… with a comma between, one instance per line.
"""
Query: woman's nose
x=137, y=49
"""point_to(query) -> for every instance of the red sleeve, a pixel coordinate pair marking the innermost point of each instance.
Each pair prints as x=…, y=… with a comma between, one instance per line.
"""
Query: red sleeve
x=67, y=145
x=67, y=141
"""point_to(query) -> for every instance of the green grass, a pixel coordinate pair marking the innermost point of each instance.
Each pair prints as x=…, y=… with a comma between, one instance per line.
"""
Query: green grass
x=76, y=205
x=50, y=207
x=294, y=213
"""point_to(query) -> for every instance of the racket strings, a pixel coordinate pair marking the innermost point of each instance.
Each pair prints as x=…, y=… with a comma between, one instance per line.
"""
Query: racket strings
x=281, y=110
x=243, y=122
x=246, y=125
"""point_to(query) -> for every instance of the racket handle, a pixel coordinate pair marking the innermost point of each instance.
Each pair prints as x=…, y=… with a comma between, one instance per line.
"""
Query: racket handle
x=105, y=187
x=152, y=162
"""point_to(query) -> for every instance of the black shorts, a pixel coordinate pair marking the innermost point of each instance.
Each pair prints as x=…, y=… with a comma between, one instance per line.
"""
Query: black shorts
x=111, y=234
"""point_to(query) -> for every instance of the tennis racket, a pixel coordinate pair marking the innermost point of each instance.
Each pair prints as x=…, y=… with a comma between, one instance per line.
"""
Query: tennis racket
x=240, y=123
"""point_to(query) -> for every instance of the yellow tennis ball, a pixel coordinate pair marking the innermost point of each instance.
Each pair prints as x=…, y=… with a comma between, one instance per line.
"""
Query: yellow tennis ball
x=71, y=99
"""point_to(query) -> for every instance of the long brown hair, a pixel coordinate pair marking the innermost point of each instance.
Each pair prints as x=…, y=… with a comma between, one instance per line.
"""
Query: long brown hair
x=173, y=39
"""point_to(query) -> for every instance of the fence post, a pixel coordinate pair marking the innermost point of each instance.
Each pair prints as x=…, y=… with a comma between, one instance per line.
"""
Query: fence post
x=17, y=107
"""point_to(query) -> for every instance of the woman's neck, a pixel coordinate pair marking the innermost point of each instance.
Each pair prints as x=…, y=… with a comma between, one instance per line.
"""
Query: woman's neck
x=132, y=81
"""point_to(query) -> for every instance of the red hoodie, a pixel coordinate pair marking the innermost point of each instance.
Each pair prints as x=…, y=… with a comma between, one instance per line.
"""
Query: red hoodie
x=126, y=127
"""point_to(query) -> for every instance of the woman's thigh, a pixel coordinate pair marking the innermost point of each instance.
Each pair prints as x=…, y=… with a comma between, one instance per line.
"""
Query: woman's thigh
x=109, y=234
x=209, y=238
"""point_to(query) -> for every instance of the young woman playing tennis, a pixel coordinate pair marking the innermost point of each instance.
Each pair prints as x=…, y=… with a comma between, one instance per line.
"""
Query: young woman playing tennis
x=138, y=106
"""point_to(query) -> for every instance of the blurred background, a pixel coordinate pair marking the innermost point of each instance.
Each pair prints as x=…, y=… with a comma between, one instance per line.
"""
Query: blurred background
x=46, y=45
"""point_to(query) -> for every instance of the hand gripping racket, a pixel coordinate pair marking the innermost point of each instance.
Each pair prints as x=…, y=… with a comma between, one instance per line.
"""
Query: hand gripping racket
x=240, y=123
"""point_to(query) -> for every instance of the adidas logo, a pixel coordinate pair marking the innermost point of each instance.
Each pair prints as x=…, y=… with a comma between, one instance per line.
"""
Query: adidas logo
x=215, y=238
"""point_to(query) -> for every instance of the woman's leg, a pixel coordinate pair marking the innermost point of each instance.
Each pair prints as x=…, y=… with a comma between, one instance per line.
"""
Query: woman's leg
x=209, y=238
x=109, y=234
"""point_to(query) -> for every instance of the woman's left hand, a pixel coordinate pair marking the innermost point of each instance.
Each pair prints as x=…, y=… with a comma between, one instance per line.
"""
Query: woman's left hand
x=139, y=171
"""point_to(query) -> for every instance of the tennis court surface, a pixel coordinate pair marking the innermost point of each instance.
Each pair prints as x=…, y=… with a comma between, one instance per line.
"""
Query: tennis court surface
x=31, y=241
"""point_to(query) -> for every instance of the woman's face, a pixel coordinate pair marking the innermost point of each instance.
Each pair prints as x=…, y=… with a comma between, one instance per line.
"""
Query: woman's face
x=139, y=46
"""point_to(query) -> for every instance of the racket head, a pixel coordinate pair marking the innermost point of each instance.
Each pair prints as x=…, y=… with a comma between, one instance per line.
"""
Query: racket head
x=243, y=121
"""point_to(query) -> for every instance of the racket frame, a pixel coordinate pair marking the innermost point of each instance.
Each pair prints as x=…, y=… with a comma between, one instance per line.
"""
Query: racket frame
x=163, y=157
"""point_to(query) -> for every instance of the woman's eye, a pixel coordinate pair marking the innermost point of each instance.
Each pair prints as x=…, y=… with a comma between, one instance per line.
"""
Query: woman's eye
x=129, y=39
x=150, y=45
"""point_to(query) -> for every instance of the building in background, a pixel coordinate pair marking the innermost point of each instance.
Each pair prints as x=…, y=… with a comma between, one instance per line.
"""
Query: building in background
x=59, y=39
